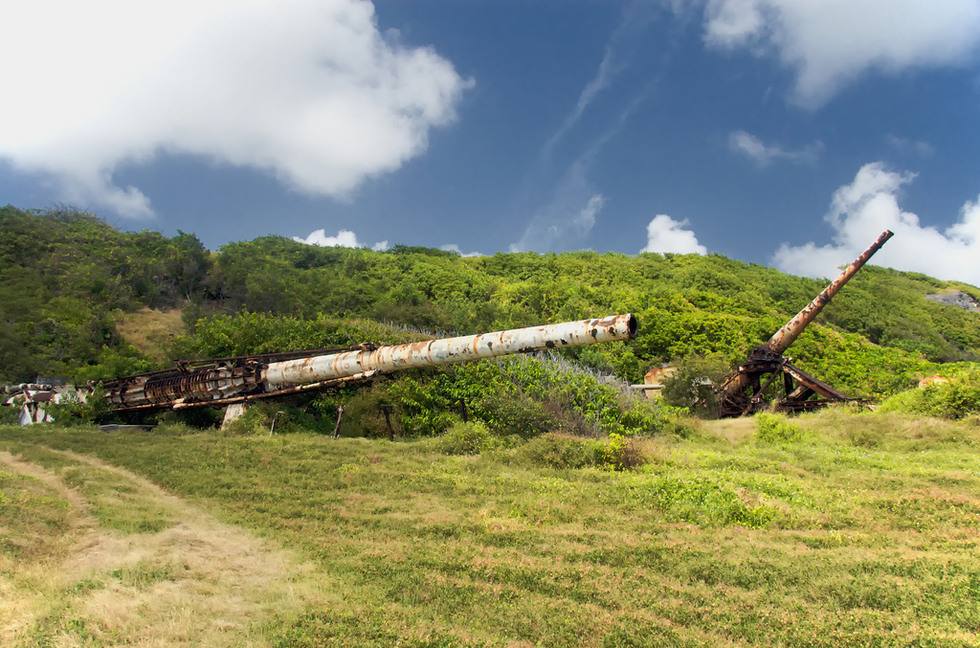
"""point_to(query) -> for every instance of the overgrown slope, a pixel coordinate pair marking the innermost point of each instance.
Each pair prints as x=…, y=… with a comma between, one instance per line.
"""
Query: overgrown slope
x=65, y=277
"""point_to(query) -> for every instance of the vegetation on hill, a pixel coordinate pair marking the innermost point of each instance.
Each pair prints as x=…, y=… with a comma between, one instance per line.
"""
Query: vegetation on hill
x=66, y=276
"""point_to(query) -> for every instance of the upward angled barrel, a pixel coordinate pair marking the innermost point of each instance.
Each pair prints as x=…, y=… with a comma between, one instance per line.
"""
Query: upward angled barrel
x=784, y=337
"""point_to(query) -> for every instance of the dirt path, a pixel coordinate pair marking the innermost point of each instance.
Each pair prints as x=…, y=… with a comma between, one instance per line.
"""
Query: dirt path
x=195, y=581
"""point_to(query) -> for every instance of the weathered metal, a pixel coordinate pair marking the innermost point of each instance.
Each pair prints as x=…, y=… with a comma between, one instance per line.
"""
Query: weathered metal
x=744, y=390
x=242, y=379
x=785, y=336
x=32, y=400
x=212, y=384
x=437, y=352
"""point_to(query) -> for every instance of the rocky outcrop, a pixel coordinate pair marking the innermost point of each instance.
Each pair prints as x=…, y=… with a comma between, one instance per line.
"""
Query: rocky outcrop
x=957, y=298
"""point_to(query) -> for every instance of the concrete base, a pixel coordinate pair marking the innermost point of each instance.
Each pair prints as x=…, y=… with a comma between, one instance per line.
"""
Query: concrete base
x=232, y=412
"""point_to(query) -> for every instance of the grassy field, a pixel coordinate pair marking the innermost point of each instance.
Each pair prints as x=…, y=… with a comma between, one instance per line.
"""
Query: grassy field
x=836, y=529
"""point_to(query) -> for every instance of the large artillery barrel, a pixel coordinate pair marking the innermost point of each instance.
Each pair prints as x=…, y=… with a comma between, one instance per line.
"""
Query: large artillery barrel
x=461, y=349
x=784, y=337
x=768, y=358
x=248, y=378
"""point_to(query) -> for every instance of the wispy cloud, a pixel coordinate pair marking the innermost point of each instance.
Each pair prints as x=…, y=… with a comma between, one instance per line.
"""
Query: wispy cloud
x=308, y=91
x=908, y=146
x=569, y=216
x=617, y=57
x=863, y=209
x=452, y=247
x=830, y=44
x=763, y=154
x=567, y=220
x=666, y=235
x=607, y=69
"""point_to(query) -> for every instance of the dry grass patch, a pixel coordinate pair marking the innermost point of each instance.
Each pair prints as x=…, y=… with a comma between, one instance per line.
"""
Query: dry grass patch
x=196, y=582
x=735, y=430
x=150, y=330
x=39, y=521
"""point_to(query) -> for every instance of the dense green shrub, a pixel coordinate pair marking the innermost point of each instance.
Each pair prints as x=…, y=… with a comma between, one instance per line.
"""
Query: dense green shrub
x=591, y=404
x=558, y=451
x=196, y=418
x=65, y=276
x=956, y=398
x=424, y=411
x=9, y=415
x=76, y=408
x=362, y=416
x=621, y=453
x=467, y=439
x=65, y=273
x=244, y=333
x=268, y=417
x=640, y=415
x=114, y=362
x=521, y=395
x=776, y=428
x=564, y=452
x=505, y=413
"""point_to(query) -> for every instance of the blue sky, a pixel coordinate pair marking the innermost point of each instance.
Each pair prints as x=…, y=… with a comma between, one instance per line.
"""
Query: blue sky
x=782, y=132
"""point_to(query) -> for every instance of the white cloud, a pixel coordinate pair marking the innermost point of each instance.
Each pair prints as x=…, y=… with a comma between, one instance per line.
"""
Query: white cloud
x=762, y=154
x=664, y=234
x=452, y=247
x=733, y=23
x=306, y=90
x=585, y=220
x=829, y=43
x=562, y=225
x=344, y=238
x=862, y=210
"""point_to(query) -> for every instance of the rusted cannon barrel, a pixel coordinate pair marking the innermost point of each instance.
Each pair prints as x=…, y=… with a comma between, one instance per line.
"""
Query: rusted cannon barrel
x=784, y=337
x=768, y=357
x=280, y=375
x=233, y=380
x=173, y=388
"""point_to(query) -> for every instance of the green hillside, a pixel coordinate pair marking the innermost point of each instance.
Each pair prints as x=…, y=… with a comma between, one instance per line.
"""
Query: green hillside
x=66, y=278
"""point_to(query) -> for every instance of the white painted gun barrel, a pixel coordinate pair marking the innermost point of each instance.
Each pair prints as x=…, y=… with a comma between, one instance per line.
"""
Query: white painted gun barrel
x=281, y=375
x=226, y=381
